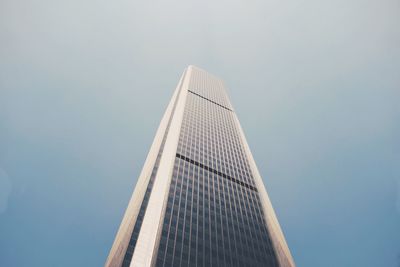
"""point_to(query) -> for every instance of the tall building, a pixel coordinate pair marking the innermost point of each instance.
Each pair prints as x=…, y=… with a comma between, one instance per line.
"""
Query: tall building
x=200, y=200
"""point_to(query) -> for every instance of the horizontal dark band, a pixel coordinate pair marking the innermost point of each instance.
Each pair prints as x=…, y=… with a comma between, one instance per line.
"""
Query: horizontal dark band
x=216, y=172
x=210, y=100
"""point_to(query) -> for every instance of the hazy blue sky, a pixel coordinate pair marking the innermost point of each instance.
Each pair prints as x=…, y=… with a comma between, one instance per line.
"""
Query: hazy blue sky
x=83, y=86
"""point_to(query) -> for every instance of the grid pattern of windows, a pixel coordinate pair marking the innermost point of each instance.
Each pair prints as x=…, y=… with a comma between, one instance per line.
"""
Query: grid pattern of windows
x=209, y=87
x=213, y=215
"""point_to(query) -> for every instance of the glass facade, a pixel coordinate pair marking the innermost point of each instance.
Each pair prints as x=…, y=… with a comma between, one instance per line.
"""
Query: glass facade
x=200, y=201
x=213, y=215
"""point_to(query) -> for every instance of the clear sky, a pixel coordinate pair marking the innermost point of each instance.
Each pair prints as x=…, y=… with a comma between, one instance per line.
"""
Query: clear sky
x=84, y=83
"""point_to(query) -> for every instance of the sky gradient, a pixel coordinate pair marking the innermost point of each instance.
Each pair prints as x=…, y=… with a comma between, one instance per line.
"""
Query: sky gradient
x=315, y=84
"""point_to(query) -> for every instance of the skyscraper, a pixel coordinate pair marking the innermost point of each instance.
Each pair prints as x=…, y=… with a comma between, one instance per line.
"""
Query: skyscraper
x=200, y=200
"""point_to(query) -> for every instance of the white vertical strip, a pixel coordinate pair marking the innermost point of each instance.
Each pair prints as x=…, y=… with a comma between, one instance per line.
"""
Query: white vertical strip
x=150, y=230
x=282, y=250
x=124, y=233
